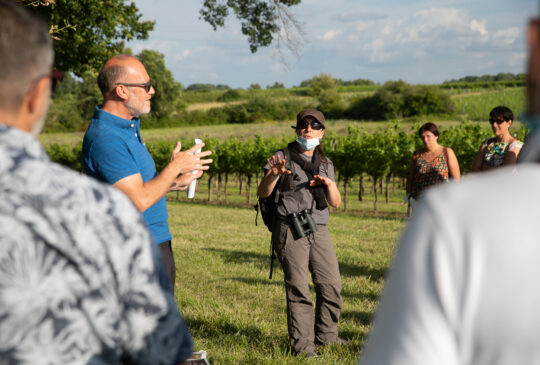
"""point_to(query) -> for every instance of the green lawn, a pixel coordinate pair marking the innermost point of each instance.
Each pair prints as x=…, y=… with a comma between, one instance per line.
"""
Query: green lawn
x=236, y=313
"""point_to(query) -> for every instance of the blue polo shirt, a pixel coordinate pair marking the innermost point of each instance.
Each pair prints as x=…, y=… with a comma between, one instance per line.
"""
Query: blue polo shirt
x=112, y=150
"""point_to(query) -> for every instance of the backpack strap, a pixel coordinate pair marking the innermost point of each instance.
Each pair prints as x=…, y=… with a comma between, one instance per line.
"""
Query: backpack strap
x=287, y=157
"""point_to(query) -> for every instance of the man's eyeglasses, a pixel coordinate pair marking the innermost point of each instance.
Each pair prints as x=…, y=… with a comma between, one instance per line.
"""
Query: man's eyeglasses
x=315, y=125
x=146, y=85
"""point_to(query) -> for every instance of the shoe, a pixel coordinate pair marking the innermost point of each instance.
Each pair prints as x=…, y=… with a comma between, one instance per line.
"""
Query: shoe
x=309, y=354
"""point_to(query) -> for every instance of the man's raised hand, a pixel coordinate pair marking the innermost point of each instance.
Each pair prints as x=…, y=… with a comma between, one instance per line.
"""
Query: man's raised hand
x=188, y=160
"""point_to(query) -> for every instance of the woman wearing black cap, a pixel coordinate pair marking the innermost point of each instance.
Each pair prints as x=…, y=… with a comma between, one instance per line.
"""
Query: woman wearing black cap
x=305, y=180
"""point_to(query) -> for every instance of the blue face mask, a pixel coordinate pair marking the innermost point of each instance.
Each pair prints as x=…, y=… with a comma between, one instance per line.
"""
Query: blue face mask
x=308, y=144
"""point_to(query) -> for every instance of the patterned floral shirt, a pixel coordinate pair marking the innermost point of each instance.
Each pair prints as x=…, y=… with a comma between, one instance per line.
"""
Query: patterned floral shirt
x=494, y=151
x=79, y=282
x=428, y=173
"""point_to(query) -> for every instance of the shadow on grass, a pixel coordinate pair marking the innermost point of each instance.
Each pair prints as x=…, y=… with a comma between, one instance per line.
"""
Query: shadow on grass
x=241, y=257
x=252, y=281
x=363, y=318
x=371, y=296
x=374, y=274
x=223, y=331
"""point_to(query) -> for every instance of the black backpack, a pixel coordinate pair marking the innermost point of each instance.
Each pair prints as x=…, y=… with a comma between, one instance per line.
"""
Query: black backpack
x=268, y=205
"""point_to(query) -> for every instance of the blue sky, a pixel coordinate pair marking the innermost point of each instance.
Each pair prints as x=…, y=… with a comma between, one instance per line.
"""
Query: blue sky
x=416, y=41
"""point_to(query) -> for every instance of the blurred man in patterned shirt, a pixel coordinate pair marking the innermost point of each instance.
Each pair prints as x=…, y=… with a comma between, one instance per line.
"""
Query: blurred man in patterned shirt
x=80, y=280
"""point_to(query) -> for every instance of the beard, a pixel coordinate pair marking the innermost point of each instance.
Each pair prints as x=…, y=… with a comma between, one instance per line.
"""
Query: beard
x=136, y=109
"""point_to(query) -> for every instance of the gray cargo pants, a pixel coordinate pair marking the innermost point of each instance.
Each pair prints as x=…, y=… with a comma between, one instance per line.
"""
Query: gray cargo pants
x=312, y=254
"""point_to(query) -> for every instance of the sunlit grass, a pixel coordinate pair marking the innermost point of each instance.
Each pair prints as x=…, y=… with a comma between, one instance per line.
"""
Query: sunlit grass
x=236, y=313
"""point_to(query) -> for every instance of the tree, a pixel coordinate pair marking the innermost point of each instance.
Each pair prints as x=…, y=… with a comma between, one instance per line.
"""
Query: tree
x=276, y=85
x=206, y=87
x=88, y=32
x=324, y=88
x=262, y=21
x=321, y=83
x=167, y=89
x=398, y=99
x=73, y=103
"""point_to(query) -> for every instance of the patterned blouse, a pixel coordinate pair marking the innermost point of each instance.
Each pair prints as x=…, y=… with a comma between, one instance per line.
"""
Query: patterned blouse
x=80, y=280
x=428, y=173
x=494, y=151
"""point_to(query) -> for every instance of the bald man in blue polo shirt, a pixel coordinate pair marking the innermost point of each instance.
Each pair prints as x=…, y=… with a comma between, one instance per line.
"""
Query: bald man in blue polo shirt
x=113, y=150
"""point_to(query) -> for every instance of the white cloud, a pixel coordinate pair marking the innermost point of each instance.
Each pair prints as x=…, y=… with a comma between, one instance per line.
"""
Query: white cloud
x=479, y=26
x=506, y=36
x=329, y=35
x=182, y=55
x=427, y=35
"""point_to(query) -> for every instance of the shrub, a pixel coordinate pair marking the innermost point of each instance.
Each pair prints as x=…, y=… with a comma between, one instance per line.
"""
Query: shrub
x=398, y=99
x=230, y=95
x=69, y=156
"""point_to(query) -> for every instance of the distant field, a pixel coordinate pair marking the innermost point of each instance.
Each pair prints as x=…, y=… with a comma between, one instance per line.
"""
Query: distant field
x=473, y=104
x=241, y=131
x=210, y=105
x=476, y=105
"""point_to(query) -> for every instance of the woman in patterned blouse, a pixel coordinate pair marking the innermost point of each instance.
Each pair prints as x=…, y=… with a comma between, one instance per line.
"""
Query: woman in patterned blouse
x=501, y=150
x=432, y=164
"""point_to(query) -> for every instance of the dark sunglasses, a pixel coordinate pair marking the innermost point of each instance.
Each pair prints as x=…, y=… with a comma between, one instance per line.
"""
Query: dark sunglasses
x=315, y=125
x=498, y=121
x=147, y=85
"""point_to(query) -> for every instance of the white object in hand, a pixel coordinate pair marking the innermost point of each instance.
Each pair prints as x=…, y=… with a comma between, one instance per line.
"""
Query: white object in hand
x=191, y=189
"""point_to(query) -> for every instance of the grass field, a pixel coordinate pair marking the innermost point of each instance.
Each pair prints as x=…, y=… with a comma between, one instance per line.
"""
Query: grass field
x=477, y=105
x=236, y=313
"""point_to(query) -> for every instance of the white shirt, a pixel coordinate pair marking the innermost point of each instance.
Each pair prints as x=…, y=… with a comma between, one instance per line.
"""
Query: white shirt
x=464, y=287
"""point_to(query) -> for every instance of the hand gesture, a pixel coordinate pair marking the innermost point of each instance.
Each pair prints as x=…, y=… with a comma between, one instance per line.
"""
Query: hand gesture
x=188, y=160
x=320, y=180
x=182, y=182
x=277, y=165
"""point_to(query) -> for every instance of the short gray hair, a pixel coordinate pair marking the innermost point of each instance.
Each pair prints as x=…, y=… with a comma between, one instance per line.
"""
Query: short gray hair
x=26, y=52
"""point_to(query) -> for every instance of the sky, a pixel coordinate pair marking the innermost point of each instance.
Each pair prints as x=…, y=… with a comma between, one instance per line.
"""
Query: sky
x=416, y=41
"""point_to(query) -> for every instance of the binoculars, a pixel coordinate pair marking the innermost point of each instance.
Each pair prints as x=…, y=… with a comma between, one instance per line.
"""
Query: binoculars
x=302, y=223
